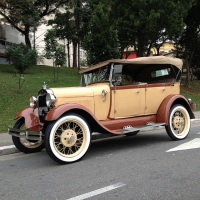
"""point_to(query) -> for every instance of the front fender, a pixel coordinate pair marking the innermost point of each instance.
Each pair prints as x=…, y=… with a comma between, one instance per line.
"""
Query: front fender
x=95, y=125
x=58, y=111
x=168, y=102
x=31, y=118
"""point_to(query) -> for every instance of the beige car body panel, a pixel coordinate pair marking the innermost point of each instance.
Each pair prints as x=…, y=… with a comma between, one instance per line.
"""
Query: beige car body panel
x=131, y=102
x=127, y=102
x=155, y=96
x=101, y=103
x=78, y=95
x=90, y=97
x=120, y=102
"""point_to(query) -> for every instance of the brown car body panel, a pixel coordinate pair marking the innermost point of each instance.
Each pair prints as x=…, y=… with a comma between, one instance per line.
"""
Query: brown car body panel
x=118, y=124
x=31, y=118
x=109, y=126
x=58, y=111
x=164, y=109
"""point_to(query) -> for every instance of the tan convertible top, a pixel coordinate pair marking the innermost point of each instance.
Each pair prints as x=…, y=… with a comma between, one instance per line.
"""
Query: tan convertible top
x=142, y=60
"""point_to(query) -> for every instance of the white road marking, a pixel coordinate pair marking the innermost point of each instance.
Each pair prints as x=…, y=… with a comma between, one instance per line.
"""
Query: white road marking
x=193, y=144
x=97, y=192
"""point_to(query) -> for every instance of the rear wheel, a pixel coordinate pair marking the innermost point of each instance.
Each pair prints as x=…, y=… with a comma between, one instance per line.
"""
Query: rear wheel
x=68, y=139
x=178, y=123
x=24, y=145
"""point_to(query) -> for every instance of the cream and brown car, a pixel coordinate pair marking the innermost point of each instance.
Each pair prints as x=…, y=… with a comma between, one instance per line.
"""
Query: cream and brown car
x=118, y=97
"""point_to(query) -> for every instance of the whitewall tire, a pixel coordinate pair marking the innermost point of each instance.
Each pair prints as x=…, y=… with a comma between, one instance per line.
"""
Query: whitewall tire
x=68, y=139
x=178, y=123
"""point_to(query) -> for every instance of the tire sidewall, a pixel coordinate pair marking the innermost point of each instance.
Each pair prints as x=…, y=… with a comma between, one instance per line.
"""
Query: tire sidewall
x=19, y=145
x=50, y=139
x=187, y=118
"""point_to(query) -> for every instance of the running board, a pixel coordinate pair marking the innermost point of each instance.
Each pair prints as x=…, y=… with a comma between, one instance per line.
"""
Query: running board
x=149, y=126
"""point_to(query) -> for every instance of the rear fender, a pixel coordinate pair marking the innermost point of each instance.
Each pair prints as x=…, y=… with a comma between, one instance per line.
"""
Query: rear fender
x=168, y=102
x=31, y=119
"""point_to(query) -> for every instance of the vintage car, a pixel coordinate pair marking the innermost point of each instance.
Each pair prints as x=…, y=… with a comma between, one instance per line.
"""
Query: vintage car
x=116, y=97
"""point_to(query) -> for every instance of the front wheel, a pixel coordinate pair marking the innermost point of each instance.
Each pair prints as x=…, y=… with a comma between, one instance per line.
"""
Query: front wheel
x=68, y=139
x=24, y=145
x=178, y=123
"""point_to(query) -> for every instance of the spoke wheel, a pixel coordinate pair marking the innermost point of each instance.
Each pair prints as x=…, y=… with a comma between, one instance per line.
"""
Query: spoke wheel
x=179, y=123
x=25, y=145
x=68, y=139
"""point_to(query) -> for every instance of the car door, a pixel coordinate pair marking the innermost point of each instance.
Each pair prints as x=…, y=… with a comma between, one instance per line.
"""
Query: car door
x=127, y=101
x=156, y=93
x=127, y=97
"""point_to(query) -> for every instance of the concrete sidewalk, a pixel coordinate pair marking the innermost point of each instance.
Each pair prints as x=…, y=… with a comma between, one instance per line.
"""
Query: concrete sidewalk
x=7, y=147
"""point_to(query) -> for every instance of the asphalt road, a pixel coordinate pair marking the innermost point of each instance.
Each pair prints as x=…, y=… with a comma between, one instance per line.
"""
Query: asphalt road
x=120, y=168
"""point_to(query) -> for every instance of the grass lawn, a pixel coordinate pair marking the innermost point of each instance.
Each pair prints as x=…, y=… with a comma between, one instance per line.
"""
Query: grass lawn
x=193, y=92
x=12, y=101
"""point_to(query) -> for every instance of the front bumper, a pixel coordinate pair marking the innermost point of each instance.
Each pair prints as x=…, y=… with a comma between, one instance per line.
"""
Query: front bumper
x=28, y=135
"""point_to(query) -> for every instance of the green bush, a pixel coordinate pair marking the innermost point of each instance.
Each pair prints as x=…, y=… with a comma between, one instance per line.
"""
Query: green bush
x=22, y=57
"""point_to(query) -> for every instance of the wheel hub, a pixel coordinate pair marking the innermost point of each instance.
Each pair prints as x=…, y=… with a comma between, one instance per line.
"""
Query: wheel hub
x=178, y=122
x=68, y=138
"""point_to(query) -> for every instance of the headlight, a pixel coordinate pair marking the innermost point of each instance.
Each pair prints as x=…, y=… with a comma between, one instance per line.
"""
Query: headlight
x=33, y=102
x=50, y=99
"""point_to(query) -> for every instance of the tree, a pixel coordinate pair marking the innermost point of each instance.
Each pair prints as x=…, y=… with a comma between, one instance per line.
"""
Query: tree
x=54, y=50
x=187, y=45
x=196, y=61
x=70, y=25
x=65, y=29
x=143, y=23
x=25, y=15
x=22, y=58
x=101, y=42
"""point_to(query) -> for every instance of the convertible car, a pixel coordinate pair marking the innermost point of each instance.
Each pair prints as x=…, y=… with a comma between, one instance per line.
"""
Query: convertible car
x=115, y=97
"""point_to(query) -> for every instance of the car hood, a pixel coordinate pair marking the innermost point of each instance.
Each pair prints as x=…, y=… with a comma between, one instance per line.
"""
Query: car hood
x=72, y=92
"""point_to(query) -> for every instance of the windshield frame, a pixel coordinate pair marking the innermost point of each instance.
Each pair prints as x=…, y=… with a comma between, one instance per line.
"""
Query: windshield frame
x=99, y=75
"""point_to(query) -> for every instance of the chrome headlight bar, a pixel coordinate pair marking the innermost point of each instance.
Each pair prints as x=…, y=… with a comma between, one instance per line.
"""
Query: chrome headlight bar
x=45, y=97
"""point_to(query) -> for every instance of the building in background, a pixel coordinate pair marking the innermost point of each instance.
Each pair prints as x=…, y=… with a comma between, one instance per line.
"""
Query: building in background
x=166, y=49
x=10, y=36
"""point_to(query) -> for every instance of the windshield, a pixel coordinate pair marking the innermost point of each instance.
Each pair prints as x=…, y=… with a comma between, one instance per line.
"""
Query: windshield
x=98, y=75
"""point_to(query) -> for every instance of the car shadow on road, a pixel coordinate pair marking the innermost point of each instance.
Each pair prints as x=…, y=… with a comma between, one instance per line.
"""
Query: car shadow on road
x=143, y=140
x=122, y=143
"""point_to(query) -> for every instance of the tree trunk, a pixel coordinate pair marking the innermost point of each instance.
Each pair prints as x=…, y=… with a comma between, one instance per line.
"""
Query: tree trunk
x=78, y=55
x=140, y=49
x=74, y=54
x=158, y=50
x=149, y=49
x=187, y=80
x=121, y=52
x=68, y=53
x=26, y=35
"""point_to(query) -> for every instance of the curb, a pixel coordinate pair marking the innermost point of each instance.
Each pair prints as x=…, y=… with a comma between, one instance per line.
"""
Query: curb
x=5, y=150
x=11, y=149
